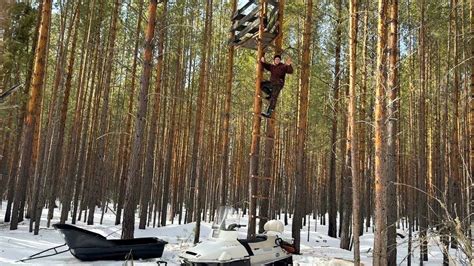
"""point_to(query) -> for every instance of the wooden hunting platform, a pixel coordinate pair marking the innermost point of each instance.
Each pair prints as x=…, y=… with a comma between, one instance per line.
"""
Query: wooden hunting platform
x=245, y=24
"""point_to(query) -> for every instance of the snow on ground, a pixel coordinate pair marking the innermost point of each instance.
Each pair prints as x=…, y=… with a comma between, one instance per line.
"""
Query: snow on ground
x=319, y=250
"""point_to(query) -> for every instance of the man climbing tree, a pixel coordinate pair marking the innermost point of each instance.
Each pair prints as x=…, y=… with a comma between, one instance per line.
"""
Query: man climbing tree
x=273, y=86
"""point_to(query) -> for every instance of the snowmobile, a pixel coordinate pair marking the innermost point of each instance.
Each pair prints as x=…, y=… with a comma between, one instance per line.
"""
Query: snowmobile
x=225, y=248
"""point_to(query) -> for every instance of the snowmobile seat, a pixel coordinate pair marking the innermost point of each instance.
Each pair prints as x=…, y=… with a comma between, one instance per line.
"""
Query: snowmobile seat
x=246, y=242
x=258, y=238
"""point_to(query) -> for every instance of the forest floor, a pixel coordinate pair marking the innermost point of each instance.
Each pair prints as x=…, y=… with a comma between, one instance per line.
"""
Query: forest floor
x=319, y=250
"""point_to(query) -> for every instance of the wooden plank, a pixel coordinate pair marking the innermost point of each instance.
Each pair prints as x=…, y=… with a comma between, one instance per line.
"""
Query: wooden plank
x=237, y=17
x=273, y=3
x=249, y=18
x=237, y=26
x=242, y=9
x=273, y=17
x=248, y=29
x=251, y=43
x=241, y=25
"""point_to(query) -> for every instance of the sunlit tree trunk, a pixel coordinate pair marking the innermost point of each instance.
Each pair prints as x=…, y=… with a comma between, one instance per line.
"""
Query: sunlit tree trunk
x=197, y=176
x=422, y=160
x=380, y=236
x=124, y=149
x=255, y=144
x=270, y=139
x=224, y=171
x=145, y=193
x=392, y=118
x=33, y=113
x=140, y=122
x=301, y=157
x=353, y=140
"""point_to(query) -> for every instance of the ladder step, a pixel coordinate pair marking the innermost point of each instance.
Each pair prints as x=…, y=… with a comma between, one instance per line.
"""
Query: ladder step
x=261, y=197
x=265, y=137
x=263, y=157
x=262, y=177
x=269, y=118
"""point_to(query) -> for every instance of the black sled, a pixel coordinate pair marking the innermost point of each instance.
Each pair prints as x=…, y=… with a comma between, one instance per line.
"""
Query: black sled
x=89, y=246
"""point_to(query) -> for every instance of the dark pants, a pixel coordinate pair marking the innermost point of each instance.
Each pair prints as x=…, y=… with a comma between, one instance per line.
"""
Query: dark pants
x=273, y=90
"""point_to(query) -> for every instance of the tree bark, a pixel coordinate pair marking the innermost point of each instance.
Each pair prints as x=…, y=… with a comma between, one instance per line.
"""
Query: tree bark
x=422, y=161
x=76, y=129
x=301, y=156
x=134, y=171
x=353, y=140
x=224, y=171
x=392, y=118
x=471, y=124
x=99, y=172
x=255, y=144
x=125, y=152
x=332, y=207
x=151, y=145
x=270, y=139
x=197, y=177
x=380, y=236
x=33, y=112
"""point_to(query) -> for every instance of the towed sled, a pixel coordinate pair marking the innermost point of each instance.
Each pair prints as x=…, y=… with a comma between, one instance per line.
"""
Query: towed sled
x=89, y=246
x=224, y=247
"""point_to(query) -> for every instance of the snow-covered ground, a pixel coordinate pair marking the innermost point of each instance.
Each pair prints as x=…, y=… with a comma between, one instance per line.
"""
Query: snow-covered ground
x=319, y=250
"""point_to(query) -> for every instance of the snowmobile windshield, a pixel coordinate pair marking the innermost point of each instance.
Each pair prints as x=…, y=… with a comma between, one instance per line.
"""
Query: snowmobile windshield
x=225, y=216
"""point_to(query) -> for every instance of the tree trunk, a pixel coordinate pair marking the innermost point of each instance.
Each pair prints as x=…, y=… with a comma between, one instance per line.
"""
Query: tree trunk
x=380, y=236
x=171, y=143
x=134, y=171
x=332, y=203
x=57, y=144
x=301, y=157
x=471, y=126
x=392, y=115
x=224, y=171
x=269, y=160
x=422, y=161
x=455, y=195
x=353, y=139
x=197, y=177
x=345, y=205
x=33, y=112
x=363, y=173
x=76, y=129
x=125, y=152
x=255, y=144
x=151, y=145
x=99, y=172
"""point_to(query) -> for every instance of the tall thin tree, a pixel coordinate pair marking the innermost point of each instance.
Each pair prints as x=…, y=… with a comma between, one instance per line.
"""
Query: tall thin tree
x=392, y=114
x=302, y=128
x=197, y=161
x=151, y=145
x=255, y=143
x=380, y=236
x=226, y=120
x=33, y=112
x=422, y=144
x=134, y=170
x=332, y=228
x=354, y=128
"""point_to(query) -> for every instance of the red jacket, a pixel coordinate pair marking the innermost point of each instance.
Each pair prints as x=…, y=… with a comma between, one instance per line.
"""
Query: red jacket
x=278, y=72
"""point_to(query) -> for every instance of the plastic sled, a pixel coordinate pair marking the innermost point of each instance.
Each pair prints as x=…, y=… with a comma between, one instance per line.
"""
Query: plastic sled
x=89, y=246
